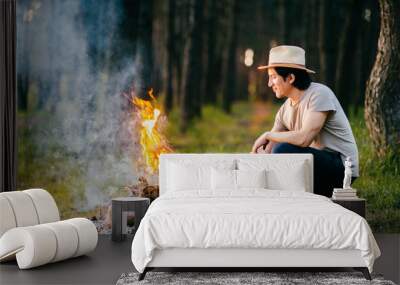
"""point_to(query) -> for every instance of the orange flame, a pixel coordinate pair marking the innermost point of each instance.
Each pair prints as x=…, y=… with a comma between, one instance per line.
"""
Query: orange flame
x=152, y=141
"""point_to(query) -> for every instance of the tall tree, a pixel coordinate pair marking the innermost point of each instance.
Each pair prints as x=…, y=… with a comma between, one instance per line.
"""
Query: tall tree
x=345, y=77
x=382, y=99
x=169, y=100
x=23, y=54
x=144, y=48
x=291, y=22
x=45, y=83
x=327, y=43
x=198, y=54
x=181, y=37
x=128, y=29
x=231, y=76
x=191, y=95
x=282, y=18
x=211, y=84
x=312, y=34
x=368, y=46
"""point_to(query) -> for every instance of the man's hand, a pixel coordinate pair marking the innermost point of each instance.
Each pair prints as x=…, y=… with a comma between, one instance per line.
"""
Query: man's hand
x=260, y=141
x=270, y=145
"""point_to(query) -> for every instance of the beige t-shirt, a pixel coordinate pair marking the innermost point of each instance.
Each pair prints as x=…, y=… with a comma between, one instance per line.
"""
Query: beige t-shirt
x=336, y=134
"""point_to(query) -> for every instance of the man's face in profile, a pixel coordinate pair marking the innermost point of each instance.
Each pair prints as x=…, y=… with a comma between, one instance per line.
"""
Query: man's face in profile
x=279, y=86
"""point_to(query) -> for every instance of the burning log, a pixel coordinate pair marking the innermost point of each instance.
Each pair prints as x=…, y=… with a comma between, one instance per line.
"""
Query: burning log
x=150, y=192
x=143, y=189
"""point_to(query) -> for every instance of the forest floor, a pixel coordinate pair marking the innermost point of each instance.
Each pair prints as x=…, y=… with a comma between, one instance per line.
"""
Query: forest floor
x=216, y=131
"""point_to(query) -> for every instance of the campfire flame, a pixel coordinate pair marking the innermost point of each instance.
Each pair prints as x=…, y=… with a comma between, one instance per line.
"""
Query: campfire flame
x=153, y=142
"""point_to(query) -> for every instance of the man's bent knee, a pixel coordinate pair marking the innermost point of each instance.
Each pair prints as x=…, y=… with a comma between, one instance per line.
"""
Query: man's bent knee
x=286, y=148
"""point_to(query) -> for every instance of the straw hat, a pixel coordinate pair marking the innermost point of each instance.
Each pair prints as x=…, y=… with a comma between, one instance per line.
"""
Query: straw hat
x=287, y=56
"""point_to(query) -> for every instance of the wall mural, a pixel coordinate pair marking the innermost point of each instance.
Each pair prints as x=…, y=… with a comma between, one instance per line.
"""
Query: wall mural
x=105, y=87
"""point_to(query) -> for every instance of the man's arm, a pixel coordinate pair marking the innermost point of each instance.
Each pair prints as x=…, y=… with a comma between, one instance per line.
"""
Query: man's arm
x=261, y=141
x=270, y=144
x=312, y=125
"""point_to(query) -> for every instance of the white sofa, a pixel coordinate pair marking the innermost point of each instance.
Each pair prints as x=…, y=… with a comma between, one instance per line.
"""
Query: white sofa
x=31, y=231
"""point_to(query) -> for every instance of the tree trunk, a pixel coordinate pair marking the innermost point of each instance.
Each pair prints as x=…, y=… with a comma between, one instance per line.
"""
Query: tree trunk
x=312, y=35
x=382, y=99
x=231, y=78
x=345, y=71
x=191, y=95
x=23, y=88
x=23, y=56
x=198, y=52
x=327, y=43
x=169, y=97
x=291, y=11
x=144, y=49
x=281, y=11
x=369, y=40
x=181, y=37
x=210, y=95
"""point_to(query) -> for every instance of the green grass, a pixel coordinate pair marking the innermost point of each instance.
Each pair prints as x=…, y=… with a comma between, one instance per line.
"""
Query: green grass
x=219, y=132
x=379, y=181
x=47, y=168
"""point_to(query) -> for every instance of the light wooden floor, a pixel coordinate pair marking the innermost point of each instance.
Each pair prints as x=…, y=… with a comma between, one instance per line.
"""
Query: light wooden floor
x=111, y=259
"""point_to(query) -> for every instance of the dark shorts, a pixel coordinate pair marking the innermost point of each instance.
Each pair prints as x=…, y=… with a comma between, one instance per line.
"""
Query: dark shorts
x=328, y=167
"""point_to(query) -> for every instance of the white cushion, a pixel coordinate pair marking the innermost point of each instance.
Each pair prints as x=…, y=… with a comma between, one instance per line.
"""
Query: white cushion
x=251, y=178
x=45, y=205
x=226, y=179
x=7, y=218
x=26, y=208
x=283, y=174
x=292, y=179
x=23, y=208
x=67, y=240
x=190, y=171
x=223, y=179
x=87, y=235
x=183, y=178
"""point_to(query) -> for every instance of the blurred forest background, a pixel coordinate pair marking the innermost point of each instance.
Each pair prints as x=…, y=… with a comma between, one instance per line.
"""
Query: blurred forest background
x=76, y=58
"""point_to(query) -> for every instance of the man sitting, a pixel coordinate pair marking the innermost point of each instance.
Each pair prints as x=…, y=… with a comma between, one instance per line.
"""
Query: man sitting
x=311, y=120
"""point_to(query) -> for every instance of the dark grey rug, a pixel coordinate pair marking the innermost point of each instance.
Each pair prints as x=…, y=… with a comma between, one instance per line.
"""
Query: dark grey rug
x=228, y=278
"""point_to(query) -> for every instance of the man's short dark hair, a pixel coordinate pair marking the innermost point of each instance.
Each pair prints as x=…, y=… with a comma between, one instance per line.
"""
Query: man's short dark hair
x=302, y=79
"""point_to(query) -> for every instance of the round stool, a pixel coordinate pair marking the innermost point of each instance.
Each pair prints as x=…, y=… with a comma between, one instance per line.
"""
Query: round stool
x=123, y=204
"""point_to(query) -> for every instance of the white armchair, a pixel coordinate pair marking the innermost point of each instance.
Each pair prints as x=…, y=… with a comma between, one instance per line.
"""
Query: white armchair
x=31, y=230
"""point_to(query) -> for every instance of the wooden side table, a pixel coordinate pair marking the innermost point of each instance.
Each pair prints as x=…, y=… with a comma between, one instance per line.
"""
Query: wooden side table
x=123, y=204
x=356, y=205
